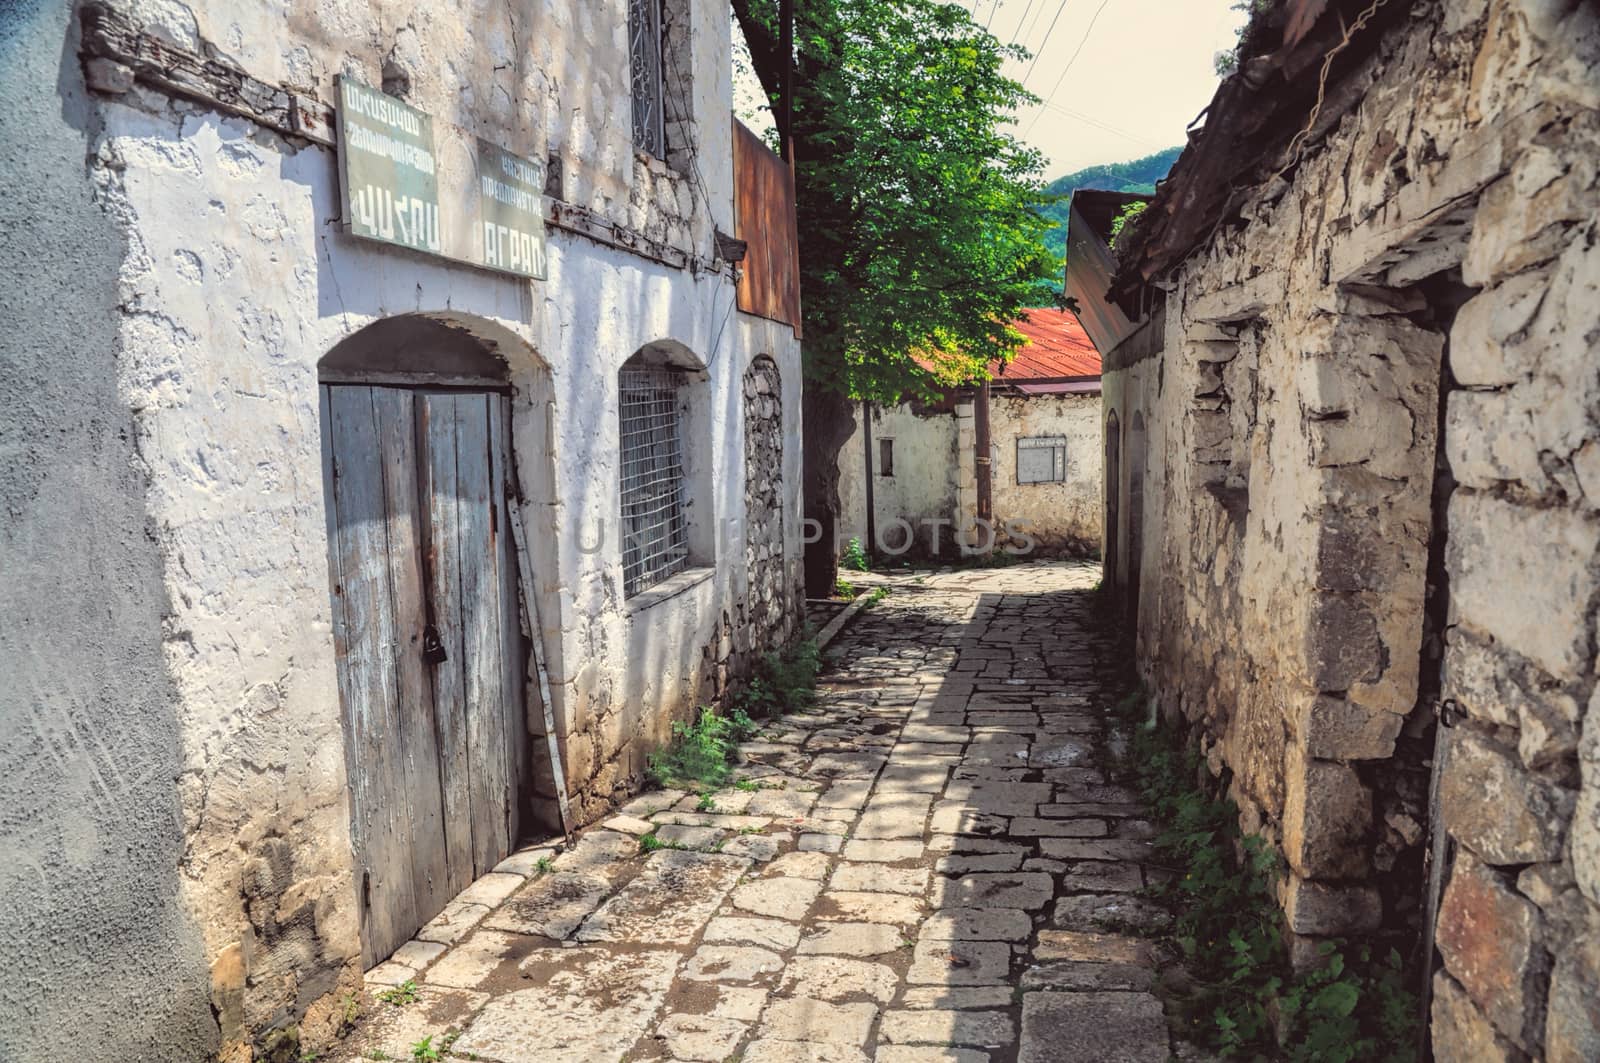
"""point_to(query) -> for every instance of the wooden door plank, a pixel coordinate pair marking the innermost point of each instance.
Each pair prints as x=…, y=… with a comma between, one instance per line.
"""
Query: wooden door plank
x=513, y=650
x=418, y=748
x=480, y=632
x=436, y=431
x=367, y=680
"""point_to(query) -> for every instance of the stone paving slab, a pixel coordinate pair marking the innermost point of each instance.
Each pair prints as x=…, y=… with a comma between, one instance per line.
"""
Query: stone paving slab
x=929, y=864
x=1093, y=1028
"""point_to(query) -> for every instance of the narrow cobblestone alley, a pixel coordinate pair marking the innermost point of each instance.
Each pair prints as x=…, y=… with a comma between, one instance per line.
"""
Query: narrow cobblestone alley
x=920, y=868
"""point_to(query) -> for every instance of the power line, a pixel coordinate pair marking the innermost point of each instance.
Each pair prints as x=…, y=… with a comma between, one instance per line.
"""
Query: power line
x=1037, y=15
x=1098, y=124
x=1059, y=8
x=1074, y=58
x=1023, y=21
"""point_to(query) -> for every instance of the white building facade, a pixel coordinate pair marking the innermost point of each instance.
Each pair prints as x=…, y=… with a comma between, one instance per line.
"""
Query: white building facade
x=1043, y=415
x=384, y=488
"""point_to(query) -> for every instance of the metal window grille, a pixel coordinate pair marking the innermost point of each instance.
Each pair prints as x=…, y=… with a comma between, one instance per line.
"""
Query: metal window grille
x=654, y=539
x=644, y=61
x=1042, y=460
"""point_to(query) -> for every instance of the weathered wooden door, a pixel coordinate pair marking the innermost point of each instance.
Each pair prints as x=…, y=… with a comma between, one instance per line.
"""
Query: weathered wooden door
x=429, y=643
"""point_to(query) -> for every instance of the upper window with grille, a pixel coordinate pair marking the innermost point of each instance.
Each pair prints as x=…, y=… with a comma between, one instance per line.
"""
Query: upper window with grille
x=1042, y=460
x=645, y=68
x=654, y=529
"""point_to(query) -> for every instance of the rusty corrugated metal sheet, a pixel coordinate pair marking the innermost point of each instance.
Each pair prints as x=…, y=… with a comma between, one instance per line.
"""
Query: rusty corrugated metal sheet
x=1090, y=266
x=1056, y=346
x=764, y=218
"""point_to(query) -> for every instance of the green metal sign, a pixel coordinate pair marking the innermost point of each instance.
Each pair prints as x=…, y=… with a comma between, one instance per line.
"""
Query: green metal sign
x=388, y=170
x=511, y=203
x=459, y=197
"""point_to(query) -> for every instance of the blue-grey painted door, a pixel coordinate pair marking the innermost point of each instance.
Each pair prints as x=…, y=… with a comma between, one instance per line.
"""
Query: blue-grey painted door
x=429, y=643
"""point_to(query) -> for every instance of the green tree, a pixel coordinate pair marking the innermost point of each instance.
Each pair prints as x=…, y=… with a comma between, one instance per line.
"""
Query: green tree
x=919, y=225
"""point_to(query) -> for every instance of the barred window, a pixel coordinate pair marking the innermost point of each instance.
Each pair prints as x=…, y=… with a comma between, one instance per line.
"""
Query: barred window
x=654, y=533
x=1042, y=460
x=645, y=69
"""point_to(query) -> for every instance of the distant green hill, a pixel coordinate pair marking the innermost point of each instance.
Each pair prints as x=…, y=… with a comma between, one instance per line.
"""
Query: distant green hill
x=1140, y=175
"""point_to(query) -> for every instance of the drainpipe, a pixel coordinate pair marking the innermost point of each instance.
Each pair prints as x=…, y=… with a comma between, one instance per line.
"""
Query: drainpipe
x=980, y=459
x=866, y=452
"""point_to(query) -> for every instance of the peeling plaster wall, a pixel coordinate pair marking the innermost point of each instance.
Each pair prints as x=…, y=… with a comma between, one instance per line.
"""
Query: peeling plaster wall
x=102, y=962
x=934, y=481
x=1057, y=516
x=1372, y=480
x=236, y=279
x=922, y=489
x=543, y=78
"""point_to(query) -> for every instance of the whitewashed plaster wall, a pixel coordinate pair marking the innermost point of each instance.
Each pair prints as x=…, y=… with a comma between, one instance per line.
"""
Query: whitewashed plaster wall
x=931, y=462
x=538, y=78
x=236, y=282
x=922, y=488
x=1053, y=514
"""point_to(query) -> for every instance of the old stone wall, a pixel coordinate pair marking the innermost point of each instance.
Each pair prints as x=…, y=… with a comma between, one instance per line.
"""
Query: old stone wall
x=1368, y=489
x=772, y=603
x=1059, y=516
x=931, y=493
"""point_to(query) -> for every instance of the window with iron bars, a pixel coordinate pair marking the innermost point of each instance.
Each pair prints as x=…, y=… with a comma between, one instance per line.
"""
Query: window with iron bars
x=645, y=68
x=654, y=530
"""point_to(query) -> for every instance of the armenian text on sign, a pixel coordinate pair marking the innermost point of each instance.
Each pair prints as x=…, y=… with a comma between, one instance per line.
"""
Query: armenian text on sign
x=388, y=171
x=430, y=186
x=511, y=201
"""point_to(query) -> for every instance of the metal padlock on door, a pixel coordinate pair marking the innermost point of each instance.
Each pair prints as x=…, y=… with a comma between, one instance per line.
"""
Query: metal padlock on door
x=432, y=648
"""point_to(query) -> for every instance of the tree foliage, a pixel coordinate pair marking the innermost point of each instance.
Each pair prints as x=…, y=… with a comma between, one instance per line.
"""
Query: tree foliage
x=919, y=225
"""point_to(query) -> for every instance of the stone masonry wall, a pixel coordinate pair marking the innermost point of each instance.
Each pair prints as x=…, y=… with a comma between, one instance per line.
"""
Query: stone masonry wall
x=1059, y=517
x=1373, y=486
x=771, y=603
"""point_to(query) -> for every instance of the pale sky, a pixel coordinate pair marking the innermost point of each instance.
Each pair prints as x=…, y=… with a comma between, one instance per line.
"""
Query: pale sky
x=1145, y=70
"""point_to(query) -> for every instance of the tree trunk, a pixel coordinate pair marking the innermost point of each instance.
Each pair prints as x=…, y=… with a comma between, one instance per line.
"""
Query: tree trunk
x=826, y=421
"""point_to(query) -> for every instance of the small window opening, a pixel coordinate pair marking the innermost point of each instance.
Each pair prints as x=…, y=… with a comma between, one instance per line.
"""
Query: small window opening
x=885, y=457
x=646, y=71
x=654, y=529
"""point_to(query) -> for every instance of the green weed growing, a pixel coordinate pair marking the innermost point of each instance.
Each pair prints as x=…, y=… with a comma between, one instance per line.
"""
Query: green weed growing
x=401, y=995
x=783, y=681
x=854, y=557
x=700, y=753
x=1246, y=1001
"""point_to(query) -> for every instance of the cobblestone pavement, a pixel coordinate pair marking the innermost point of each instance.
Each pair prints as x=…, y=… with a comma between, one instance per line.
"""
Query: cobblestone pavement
x=919, y=869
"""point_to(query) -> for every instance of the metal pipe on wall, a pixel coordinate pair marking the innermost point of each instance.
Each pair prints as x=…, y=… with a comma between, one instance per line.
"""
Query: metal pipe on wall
x=871, y=544
x=980, y=459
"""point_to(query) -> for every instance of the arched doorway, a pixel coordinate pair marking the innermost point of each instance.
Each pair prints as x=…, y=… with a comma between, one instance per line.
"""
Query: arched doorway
x=430, y=651
x=1136, y=470
x=1113, y=482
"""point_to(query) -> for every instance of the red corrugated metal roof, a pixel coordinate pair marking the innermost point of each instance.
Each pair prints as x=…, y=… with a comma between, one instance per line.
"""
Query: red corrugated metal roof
x=1057, y=347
